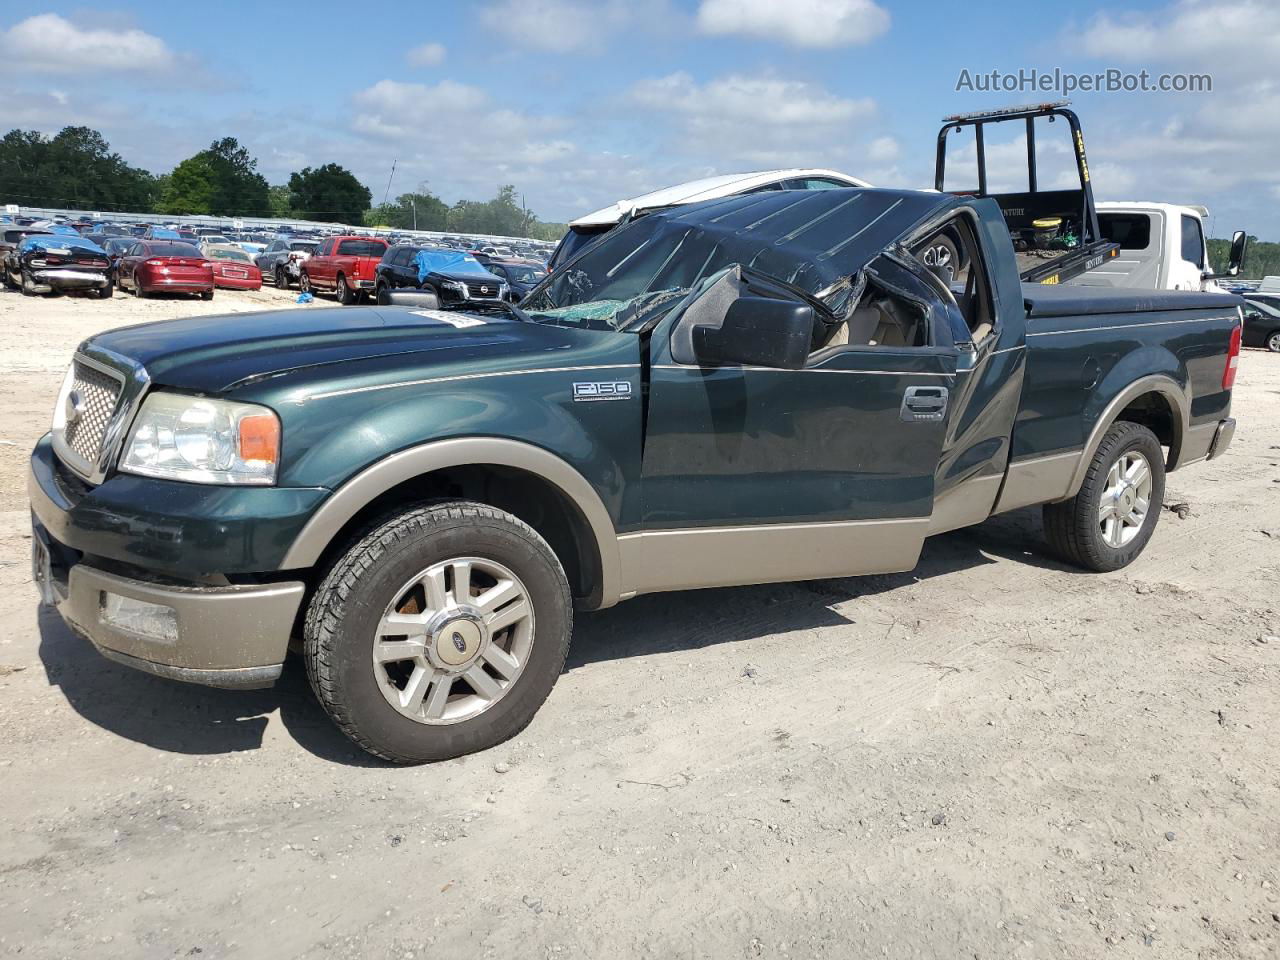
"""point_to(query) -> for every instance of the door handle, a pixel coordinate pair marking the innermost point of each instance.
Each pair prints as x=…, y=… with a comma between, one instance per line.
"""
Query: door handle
x=924, y=404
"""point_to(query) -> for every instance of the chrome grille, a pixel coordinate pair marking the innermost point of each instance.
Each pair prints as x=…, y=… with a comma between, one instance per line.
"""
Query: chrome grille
x=98, y=394
x=482, y=291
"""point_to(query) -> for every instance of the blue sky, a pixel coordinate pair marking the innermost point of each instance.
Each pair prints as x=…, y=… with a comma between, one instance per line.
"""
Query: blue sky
x=581, y=102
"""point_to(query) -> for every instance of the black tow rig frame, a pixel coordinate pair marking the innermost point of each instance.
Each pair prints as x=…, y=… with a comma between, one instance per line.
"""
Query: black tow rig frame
x=1055, y=232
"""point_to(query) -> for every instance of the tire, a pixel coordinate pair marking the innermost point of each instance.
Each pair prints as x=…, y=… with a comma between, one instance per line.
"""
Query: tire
x=346, y=296
x=370, y=581
x=282, y=279
x=382, y=295
x=1077, y=529
x=107, y=292
x=304, y=282
x=1273, y=341
x=206, y=295
x=28, y=285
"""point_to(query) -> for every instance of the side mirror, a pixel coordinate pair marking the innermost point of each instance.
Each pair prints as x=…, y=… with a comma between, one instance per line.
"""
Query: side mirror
x=1239, y=242
x=422, y=299
x=757, y=332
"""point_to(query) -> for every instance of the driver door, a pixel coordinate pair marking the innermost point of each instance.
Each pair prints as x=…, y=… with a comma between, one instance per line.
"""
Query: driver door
x=754, y=475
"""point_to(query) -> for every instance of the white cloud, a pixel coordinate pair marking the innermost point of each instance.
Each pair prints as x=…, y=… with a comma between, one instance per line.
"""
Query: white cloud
x=802, y=23
x=426, y=55
x=884, y=150
x=1226, y=34
x=50, y=43
x=562, y=26
x=736, y=123
x=760, y=102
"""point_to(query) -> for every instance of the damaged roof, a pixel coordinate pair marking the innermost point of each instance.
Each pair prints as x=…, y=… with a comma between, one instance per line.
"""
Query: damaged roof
x=809, y=238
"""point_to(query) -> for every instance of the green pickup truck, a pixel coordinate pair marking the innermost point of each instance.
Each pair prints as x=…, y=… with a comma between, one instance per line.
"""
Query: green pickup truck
x=759, y=388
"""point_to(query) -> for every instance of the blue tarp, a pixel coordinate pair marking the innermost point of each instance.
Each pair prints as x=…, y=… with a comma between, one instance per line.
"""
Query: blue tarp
x=455, y=263
x=63, y=230
x=57, y=243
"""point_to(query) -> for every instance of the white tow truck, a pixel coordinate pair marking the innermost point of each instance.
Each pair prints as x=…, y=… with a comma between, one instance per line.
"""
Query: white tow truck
x=1162, y=247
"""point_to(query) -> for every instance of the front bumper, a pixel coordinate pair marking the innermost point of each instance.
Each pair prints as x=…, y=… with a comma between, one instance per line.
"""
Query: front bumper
x=187, y=531
x=231, y=636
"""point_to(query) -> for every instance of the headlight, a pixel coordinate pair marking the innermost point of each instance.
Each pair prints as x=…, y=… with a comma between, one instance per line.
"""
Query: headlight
x=203, y=441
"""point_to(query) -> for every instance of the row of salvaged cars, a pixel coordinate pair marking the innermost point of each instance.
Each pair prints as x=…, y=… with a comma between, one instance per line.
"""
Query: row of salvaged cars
x=42, y=258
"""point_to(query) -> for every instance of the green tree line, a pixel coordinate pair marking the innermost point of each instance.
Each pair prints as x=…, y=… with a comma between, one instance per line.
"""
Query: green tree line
x=1261, y=259
x=76, y=169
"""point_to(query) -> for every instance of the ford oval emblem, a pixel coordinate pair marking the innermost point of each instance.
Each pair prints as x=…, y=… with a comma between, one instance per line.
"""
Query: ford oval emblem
x=73, y=408
x=458, y=643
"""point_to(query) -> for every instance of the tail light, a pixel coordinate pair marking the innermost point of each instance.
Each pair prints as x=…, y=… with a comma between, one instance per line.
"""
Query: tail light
x=1233, y=358
x=157, y=263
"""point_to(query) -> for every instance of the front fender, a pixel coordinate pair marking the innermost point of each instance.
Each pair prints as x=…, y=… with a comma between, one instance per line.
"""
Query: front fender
x=390, y=472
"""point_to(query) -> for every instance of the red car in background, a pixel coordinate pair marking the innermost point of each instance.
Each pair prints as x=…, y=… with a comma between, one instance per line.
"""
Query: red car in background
x=233, y=268
x=152, y=266
x=345, y=266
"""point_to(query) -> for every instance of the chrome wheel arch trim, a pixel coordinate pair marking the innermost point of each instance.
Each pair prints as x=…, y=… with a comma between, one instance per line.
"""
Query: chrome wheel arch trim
x=354, y=495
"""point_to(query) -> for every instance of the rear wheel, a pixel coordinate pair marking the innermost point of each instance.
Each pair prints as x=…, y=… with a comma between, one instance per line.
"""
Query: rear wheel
x=439, y=633
x=206, y=294
x=107, y=292
x=346, y=296
x=1273, y=341
x=304, y=282
x=1109, y=522
x=382, y=294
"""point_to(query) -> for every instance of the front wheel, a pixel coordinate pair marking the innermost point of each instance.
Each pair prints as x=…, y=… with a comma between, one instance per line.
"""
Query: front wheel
x=28, y=284
x=382, y=295
x=1109, y=522
x=106, y=292
x=1273, y=341
x=304, y=282
x=440, y=633
x=206, y=294
x=282, y=279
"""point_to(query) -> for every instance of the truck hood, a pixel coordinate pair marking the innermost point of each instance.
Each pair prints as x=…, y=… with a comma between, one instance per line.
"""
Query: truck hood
x=221, y=353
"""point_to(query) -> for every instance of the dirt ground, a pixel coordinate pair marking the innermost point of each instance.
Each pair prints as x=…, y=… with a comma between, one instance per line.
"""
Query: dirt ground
x=992, y=756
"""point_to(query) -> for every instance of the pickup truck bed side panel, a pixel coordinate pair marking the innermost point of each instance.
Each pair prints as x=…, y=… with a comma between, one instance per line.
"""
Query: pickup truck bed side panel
x=1091, y=361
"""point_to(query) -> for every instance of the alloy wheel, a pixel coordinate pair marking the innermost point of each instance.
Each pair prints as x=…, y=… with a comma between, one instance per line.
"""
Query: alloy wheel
x=453, y=640
x=1126, y=500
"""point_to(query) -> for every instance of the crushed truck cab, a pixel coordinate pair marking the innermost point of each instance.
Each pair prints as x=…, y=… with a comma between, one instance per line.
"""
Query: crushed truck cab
x=758, y=388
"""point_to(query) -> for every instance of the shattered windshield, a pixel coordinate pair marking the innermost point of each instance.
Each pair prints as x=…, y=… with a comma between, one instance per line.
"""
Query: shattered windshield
x=629, y=276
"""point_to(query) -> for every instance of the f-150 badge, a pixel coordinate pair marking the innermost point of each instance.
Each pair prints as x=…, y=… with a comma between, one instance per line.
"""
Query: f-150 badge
x=608, y=390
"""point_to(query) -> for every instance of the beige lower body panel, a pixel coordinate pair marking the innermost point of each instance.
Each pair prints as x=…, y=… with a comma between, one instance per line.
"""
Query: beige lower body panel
x=1196, y=443
x=965, y=504
x=1038, y=480
x=774, y=553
